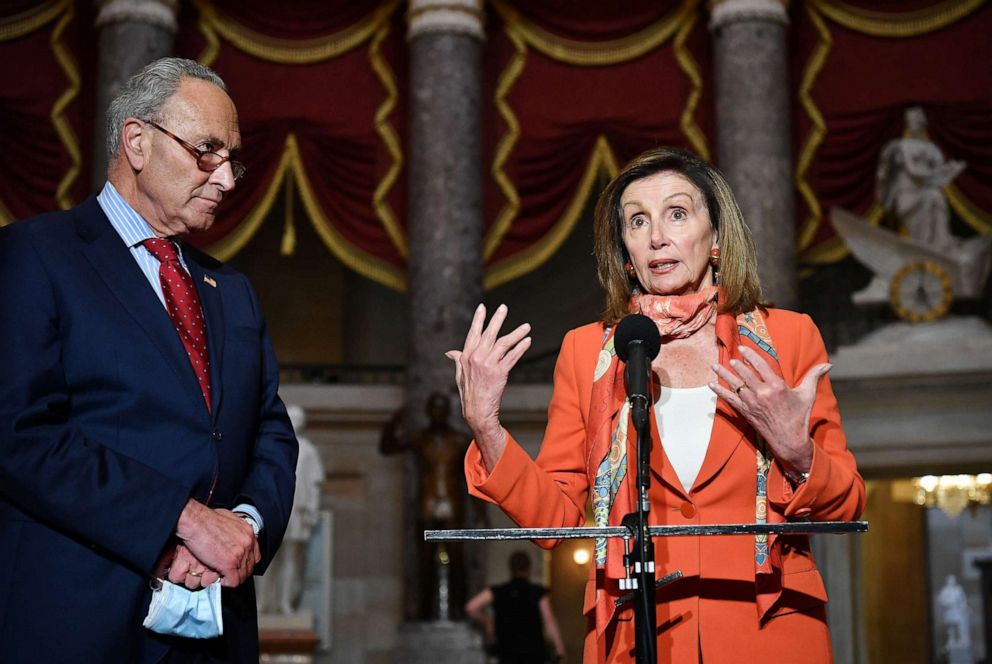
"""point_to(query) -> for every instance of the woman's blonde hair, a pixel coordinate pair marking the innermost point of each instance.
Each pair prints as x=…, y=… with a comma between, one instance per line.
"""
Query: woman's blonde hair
x=741, y=290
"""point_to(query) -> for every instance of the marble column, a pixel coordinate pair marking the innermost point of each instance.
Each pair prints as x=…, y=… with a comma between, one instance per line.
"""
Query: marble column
x=445, y=200
x=838, y=559
x=754, y=134
x=445, y=215
x=132, y=34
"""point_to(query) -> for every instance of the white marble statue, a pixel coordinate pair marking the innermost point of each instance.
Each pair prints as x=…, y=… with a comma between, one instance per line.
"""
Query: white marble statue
x=910, y=179
x=911, y=175
x=955, y=615
x=279, y=590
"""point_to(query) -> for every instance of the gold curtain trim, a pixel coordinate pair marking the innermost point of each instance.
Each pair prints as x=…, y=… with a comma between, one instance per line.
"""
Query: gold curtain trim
x=897, y=24
x=291, y=165
x=819, y=129
x=28, y=21
x=288, y=245
x=391, y=140
x=973, y=215
x=590, y=54
x=505, y=146
x=287, y=51
x=835, y=249
x=212, y=48
x=59, y=121
x=228, y=247
x=687, y=122
x=357, y=259
x=600, y=160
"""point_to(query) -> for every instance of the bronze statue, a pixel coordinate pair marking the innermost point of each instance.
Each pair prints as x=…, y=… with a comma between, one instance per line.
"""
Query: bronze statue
x=438, y=451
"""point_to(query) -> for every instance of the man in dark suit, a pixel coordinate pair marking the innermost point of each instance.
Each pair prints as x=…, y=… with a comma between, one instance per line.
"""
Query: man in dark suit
x=141, y=434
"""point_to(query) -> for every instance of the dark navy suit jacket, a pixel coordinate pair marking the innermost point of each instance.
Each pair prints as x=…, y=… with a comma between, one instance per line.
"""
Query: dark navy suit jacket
x=104, y=436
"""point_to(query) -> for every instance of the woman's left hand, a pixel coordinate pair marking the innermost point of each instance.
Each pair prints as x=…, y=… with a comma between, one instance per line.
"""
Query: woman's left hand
x=779, y=413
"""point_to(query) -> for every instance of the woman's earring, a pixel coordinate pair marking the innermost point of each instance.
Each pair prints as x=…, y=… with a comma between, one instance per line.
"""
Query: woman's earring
x=715, y=262
x=632, y=274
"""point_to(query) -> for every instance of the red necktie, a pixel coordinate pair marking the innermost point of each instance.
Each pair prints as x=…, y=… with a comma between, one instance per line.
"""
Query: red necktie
x=184, y=309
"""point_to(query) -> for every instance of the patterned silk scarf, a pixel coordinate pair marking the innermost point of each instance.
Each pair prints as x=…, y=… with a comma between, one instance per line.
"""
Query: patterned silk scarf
x=606, y=432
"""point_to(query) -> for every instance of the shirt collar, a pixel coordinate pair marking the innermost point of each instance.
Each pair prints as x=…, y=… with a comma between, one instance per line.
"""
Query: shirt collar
x=130, y=225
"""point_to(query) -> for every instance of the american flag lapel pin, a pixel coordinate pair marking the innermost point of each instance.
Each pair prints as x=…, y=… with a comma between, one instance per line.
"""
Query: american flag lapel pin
x=207, y=279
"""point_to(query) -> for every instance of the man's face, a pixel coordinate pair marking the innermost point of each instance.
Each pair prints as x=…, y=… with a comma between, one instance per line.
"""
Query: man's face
x=180, y=197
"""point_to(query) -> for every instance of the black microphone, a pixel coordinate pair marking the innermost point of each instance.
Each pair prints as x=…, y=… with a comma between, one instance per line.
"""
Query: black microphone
x=637, y=343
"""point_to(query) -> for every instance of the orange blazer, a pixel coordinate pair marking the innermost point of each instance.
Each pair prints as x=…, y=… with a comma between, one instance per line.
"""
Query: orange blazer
x=710, y=614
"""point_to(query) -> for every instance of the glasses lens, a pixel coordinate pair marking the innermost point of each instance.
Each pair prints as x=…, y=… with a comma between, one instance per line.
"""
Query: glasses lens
x=211, y=161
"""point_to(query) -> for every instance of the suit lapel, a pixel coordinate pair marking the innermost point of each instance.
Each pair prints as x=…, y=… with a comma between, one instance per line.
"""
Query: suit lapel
x=213, y=313
x=728, y=425
x=114, y=264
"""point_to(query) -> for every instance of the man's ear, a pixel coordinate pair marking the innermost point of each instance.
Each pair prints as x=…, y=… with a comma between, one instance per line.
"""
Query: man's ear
x=135, y=143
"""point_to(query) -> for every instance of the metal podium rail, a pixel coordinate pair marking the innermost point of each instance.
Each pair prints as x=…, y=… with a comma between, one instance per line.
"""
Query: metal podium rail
x=788, y=528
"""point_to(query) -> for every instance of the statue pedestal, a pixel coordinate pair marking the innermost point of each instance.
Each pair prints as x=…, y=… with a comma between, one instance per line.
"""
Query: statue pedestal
x=917, y=397
x=951, y=345
x=440, y=641
x=287, y=639
x=959, y=655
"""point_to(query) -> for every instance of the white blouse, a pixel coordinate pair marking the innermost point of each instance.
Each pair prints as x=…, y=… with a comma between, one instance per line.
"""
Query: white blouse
x=685, y=422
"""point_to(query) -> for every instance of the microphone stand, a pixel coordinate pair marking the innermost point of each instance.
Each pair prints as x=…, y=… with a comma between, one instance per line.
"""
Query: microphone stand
x=642, y=557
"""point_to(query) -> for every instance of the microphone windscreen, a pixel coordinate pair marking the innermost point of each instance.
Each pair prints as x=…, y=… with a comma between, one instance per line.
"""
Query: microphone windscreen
x=637, y=327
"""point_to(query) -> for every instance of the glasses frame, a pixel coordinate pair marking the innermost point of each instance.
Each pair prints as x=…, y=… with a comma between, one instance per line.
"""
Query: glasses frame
x=237, y=168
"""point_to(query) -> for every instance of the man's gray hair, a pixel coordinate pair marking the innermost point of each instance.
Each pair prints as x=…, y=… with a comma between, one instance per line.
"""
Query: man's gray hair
x=146, y=92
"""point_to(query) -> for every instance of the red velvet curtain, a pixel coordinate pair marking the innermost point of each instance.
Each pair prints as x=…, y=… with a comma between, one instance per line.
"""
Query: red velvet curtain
x=46, y=101
x=571, y=90
x=308, y=91
x=589, y=86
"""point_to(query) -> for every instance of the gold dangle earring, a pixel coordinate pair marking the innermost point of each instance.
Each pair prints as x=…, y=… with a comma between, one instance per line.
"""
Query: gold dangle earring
x=715, y=262
x=632, y=275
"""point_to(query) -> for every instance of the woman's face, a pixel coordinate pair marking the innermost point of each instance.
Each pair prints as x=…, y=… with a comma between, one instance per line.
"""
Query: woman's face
x=668, y=234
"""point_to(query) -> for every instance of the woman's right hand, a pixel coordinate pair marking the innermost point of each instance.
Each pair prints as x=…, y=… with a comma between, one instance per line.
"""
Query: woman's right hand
x=481, y=370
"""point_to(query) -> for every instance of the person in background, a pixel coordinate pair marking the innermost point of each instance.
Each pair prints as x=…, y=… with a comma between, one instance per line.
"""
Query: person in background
x=523, y=617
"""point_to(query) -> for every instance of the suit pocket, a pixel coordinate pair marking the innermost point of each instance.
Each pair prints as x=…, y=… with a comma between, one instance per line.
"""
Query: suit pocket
x=796, y=555
x=801, y=590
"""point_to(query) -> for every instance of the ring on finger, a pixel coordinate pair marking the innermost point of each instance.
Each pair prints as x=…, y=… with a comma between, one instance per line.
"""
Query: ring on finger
x=195, y=574
x=739, y=388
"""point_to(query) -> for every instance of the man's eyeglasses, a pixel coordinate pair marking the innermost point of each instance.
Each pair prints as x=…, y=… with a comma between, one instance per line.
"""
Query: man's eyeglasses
x=207, y=161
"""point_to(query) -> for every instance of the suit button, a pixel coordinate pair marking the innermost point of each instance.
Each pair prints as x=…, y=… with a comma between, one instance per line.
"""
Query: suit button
x=688, y=510
x=217, y=436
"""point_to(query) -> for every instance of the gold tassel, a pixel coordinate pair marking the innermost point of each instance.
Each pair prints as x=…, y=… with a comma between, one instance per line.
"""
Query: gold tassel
x=289, y=231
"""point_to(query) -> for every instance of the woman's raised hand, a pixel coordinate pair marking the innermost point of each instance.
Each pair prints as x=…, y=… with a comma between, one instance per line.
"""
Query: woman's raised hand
x=779, y=413
x=481, y=370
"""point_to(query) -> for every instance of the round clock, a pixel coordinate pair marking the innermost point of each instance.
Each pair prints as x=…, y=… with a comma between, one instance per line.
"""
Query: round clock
x=921, y=291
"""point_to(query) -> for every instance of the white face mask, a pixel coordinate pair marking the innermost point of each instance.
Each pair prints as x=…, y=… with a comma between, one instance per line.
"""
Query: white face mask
x=178, y=611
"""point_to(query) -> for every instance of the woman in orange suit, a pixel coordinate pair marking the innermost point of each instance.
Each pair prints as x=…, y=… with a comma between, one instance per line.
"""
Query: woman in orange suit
x=745, y=428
